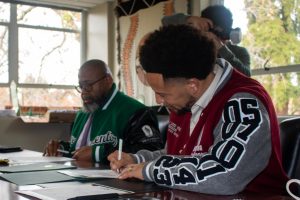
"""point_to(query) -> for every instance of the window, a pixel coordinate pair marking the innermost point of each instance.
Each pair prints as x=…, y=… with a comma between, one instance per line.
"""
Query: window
x=3, y=54
x=4, y=18
x=271, y=34
x=40, y=50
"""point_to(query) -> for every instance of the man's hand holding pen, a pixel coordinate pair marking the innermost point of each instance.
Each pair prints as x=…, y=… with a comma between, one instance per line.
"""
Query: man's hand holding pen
x=51, y=148
x=125, y=166
x=119, y=164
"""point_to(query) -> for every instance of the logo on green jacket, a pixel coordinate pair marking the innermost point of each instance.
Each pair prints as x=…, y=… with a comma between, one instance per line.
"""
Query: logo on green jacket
x=108, y=137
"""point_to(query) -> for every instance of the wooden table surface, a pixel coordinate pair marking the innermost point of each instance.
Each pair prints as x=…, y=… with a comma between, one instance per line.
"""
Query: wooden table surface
x=143, y=190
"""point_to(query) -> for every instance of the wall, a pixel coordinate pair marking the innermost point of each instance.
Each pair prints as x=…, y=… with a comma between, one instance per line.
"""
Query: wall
x=32, y=136
x=102, y=41
x=132, y=28
x=97, y=32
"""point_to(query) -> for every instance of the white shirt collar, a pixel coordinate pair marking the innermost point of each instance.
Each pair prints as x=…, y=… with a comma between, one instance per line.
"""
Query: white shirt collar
x=210, y=91
x=202, y=102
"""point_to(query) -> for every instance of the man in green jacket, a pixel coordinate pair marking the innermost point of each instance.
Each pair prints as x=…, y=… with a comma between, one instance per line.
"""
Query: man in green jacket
x=107, y=115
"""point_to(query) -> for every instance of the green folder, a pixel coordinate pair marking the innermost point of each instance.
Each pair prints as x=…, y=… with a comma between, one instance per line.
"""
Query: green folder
x=35, y=167
x=29, y=178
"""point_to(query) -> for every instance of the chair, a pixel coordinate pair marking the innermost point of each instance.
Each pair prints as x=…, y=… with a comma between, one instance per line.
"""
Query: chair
x=290, y=145
x=163, y=121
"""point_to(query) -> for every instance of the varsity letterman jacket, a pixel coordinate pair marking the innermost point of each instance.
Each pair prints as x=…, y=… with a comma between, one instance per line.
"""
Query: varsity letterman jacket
x=121, y=117
x=234, y=146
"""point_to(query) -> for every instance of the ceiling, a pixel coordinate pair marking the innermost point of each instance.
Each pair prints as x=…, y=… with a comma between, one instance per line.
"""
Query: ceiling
x=85, y=4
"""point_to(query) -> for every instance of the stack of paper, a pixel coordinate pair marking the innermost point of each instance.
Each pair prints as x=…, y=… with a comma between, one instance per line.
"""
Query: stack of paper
x=90, y=173
x=72, y=191
x=30, y=178
x=35, y=167
x=35, y=173
x=40, y=159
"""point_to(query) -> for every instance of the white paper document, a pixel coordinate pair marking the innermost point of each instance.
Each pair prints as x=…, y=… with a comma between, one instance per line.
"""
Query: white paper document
x=38, y=159
x=61, y=184
x=64, y=193
x=24, y=153
x=90, y=173
x=27, y=156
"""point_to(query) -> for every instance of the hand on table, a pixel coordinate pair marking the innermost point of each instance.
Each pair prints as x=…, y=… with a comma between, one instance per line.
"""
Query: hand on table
x=132, y=171
x=118, y=165
x=83, y=154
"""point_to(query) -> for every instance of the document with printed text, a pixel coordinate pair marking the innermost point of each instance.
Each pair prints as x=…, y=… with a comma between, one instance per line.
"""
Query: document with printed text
x=67, y=192
x=90, y=173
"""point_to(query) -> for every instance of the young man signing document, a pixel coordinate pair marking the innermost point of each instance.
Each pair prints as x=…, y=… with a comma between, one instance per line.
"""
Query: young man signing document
x=223, y=135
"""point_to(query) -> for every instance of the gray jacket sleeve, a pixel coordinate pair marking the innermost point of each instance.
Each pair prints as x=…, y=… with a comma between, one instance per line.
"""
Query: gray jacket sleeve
x=234, y=159
x=146, y=155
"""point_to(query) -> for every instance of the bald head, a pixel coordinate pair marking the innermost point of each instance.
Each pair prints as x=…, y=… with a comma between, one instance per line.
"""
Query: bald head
x=95, y=81
x=97, y=65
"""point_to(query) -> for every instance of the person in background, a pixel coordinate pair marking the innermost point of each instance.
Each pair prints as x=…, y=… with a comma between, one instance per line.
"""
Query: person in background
x=217, y=20
x=106, y=116
x=223, y=134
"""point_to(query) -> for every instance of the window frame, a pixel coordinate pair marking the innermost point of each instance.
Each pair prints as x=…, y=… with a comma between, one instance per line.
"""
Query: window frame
x=13, y=45
x=275, y=70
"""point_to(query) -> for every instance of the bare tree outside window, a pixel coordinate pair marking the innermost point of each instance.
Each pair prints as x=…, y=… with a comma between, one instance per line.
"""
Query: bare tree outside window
x=272, y=37
x=3, y=54
x=4, y=19
x=48, y=56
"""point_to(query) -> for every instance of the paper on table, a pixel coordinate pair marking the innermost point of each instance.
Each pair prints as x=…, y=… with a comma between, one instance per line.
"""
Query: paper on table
x=90, y=173
x=62, y=184
x=63, y=193
x=29, y=178
x=24, y=153
x=35, y=167
x=40, y=159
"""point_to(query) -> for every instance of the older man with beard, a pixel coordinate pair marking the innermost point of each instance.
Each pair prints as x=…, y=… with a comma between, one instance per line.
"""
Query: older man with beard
x=107, y=115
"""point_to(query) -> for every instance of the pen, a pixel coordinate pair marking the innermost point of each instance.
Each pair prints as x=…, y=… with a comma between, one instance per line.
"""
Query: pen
x=120, y=149
x=120, y=152
x=64, y=151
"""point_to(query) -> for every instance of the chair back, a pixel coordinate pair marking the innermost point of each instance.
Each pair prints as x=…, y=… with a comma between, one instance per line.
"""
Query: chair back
x=163, y=123
x=290, y=146
x=162, y=115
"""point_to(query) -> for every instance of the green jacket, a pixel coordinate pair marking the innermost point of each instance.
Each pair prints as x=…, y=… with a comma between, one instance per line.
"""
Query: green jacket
x=109, y=124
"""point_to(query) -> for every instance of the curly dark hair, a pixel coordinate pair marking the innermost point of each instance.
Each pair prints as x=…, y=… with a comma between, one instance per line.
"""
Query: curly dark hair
x=221, y=17
x=178, y=51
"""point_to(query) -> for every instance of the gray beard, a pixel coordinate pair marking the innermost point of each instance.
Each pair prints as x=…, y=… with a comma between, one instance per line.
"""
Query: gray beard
x=90, y=108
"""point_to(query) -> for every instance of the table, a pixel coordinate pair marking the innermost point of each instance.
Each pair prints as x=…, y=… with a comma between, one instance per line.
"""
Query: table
x=143, y=190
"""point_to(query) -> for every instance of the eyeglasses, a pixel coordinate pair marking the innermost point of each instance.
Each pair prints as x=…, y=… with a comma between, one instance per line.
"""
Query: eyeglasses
x=88, y=86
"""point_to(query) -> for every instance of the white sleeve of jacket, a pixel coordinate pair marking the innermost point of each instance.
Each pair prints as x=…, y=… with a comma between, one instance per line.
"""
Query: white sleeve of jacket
x=241, y=150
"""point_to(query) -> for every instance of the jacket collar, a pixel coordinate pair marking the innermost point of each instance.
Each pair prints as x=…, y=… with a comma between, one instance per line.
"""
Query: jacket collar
x=111, y=94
